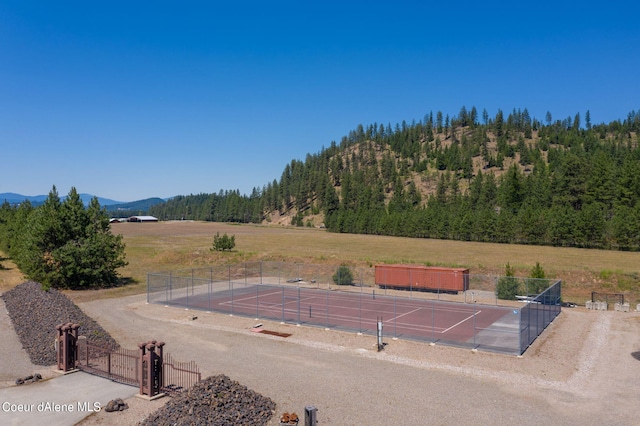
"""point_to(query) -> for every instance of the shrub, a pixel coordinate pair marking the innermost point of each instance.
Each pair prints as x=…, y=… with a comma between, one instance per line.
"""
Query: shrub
x=507, y=288
x=224, y=242
x=538, y=284
x=343, y=276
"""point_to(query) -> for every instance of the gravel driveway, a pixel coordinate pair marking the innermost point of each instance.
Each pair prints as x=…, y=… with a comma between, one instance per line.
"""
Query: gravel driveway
x=581, y=371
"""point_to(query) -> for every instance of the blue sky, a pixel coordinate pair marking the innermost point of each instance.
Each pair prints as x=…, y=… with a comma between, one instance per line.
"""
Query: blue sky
x=137, y=99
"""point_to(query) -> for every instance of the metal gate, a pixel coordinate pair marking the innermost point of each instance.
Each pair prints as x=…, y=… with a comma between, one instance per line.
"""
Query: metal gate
x=131, y=367
x=114, y=363
x=147, y=367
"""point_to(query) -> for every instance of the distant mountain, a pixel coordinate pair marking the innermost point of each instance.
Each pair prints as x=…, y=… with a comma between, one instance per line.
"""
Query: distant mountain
x=13, y=198
x=103, y=201
x=134, y=207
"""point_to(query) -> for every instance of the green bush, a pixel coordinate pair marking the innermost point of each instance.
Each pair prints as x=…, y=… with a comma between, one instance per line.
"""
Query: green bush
x=343, y=276
x=507, y=288
x=224, y=242
x=538, y=283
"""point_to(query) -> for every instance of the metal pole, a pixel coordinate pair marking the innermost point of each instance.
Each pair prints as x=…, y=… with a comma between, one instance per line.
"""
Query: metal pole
x=231, y=299
x=380, y=342
x=474, y=326
x=433, y=321
x=298, y=305
x=360, y=316
x=310, y=416
x=395, y=317
x=327, y=308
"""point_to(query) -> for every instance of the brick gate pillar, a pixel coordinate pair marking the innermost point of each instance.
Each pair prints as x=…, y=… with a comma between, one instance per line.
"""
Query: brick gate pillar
x=67, y=346
x=151, y=368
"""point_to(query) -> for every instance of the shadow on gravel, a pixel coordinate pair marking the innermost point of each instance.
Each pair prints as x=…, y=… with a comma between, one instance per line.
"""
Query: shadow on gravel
x=636, y=355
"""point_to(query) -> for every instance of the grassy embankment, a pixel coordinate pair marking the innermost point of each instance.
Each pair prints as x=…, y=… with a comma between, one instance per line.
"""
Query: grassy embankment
x=167, y=246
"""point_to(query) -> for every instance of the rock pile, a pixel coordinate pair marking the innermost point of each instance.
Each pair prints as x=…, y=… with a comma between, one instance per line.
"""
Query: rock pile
x=116, y=405
x=35, y=314
x=216, y=400
x=29, y=379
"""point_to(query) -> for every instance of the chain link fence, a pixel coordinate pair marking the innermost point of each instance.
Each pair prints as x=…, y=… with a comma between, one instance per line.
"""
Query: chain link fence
x=348, y=298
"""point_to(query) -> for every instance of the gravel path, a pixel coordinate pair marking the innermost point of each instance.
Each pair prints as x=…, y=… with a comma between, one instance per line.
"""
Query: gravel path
x=14, y=360
x=584, y=370
x=581, y=371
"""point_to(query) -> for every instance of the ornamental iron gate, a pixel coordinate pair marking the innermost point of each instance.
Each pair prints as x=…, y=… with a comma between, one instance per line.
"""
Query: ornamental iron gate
x=148, y=367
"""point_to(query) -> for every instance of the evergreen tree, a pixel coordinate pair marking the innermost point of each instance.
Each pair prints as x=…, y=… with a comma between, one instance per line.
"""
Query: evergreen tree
x=66, y=246
x=507, y=287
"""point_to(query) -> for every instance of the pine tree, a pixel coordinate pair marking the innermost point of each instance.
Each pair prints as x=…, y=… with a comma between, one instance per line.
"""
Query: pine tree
x=66, y=246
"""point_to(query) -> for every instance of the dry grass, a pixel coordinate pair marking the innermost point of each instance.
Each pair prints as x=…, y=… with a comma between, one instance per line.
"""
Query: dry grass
x=166, y=246
x=10, y=275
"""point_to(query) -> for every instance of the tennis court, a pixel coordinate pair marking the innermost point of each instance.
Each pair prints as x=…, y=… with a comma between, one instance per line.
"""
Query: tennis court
x=473, y=325
x=304, y=294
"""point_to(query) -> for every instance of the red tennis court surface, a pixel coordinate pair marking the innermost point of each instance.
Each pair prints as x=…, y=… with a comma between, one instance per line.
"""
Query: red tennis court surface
x=430, y=320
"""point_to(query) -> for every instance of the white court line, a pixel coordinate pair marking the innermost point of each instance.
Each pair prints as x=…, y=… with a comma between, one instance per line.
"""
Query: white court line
x=356, y=319
x=406, y=313
x=460, y=322
x=248, y=298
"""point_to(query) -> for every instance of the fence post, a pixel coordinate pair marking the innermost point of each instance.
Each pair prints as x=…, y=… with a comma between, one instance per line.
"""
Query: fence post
x=474, y=326
x=360, y=313
x=298, y=304
x=327, y=308
x=142, y=362
x=395, y=317
x=310, y=416
x=433, y=321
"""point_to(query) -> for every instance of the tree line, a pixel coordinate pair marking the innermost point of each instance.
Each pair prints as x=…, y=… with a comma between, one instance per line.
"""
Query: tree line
x=508, y=178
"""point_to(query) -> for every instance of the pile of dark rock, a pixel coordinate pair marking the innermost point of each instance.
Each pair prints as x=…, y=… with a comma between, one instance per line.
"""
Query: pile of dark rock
x=35, y=313
x=216, y=400
x=29, y=379
x=117, y=404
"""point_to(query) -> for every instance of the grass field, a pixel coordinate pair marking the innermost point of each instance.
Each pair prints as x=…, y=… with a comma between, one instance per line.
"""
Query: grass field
x=167, y=246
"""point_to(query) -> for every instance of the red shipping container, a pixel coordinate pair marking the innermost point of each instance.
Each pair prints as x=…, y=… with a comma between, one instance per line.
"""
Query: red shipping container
x=418, y=277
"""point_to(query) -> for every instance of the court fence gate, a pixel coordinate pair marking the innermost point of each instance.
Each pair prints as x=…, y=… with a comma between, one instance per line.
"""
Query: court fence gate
x=279, y=291
x=148, y=367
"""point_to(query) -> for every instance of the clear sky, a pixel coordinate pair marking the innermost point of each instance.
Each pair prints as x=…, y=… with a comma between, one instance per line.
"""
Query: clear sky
x=136, y=99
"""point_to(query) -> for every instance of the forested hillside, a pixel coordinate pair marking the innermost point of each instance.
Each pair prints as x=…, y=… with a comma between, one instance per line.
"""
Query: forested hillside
x=508, y=178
